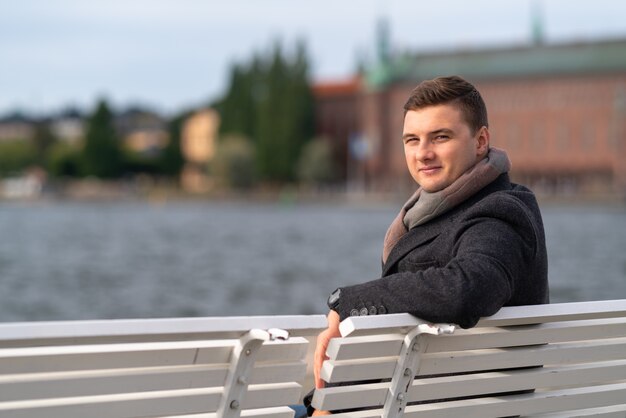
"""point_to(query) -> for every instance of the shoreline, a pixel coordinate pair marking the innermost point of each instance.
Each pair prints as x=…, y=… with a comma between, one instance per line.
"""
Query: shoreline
x=94, y=190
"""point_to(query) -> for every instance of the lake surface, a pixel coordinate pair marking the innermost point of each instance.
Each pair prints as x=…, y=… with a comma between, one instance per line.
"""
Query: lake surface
x=84, y=260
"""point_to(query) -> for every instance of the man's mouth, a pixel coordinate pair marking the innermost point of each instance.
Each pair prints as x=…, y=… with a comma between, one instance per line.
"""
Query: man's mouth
x=429, y=169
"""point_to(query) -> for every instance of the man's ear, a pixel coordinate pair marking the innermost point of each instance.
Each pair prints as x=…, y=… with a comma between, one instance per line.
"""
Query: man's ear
x=482, y=141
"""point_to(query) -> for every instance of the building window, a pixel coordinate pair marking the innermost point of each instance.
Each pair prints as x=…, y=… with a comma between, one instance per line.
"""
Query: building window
x=538, y=140
x=588, y=137
x=513, y=140
x=563, y=139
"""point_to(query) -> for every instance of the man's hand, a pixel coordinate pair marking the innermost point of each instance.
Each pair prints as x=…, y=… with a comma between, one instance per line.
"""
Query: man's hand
x=322, y=344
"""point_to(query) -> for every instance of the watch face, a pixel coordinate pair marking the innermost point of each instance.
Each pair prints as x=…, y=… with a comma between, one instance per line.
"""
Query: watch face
x=334, y=297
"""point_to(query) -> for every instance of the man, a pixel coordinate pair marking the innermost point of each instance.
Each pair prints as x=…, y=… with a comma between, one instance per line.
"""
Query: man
x=468, y=241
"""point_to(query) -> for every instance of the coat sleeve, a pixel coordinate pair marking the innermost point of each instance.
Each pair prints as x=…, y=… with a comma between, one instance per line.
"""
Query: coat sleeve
x=489, y=261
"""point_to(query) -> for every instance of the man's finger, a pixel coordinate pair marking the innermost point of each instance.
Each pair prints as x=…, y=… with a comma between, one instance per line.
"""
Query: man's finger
x=320, y=356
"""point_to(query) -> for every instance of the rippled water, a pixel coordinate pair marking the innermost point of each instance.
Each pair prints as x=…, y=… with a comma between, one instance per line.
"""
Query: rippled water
x=132, y=259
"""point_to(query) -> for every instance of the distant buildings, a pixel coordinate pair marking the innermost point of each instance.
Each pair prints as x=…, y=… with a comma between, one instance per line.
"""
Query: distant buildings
x=66, y=126
x=15, y=127
x=142, y=131
x=198, y=144
x=69, y=126
x=139, y=130
x=338, y=120
x=559, y=110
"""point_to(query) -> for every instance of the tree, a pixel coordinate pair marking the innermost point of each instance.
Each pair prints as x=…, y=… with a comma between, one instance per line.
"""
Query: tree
x=43, y=140
x=15, y=156
x=285, y=116
x=172, y=159
x=239, y=106
x=233, y=164
x=316, y=165
x=64, y=160
x=102, y=155
x=270, y=101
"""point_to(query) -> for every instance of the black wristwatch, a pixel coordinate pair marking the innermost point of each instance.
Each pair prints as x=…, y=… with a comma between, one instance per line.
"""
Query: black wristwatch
x=333, y=299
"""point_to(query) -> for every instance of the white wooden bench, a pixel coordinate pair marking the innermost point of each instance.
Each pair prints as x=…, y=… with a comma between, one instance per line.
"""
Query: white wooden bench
x=195, y=367
x=581, y=346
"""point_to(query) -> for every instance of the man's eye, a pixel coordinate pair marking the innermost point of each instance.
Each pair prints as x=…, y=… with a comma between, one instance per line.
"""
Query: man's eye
x=441, y=137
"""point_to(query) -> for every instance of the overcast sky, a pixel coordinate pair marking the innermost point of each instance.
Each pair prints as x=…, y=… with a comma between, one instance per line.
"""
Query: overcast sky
x=173, y=54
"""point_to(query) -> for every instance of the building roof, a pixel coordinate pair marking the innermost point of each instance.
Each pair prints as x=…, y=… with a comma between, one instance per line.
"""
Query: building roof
x=337, y=88
x=599, y=57
x=16, y=117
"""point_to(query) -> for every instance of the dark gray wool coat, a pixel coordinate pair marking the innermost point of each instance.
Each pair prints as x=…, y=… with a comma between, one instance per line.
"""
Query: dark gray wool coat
x=486, y=253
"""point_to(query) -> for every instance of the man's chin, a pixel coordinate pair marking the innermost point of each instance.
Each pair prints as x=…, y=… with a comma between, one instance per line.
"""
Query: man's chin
x=432, y=187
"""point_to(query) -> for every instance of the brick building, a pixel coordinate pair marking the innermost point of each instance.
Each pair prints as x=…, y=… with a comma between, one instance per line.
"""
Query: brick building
x=558, y=109
x=338, y=117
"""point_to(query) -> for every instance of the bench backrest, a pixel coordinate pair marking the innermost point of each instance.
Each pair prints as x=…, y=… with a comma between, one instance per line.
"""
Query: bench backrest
x=222, y=367
x=393, y=360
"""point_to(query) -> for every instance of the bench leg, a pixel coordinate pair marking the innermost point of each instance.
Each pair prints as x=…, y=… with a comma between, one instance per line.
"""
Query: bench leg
x=407, y=367
x=241, y=364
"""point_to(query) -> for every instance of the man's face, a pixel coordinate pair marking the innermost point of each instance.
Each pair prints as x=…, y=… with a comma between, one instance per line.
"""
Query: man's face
x=439, y=145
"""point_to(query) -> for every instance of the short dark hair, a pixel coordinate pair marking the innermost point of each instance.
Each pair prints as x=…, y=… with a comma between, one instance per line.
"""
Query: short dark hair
x=450, y=90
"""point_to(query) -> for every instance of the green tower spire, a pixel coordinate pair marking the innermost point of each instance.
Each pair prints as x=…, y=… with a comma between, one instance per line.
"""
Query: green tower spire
x=537, y=23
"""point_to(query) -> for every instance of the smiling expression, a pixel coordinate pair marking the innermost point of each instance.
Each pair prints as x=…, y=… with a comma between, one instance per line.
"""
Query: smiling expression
x=439, y=145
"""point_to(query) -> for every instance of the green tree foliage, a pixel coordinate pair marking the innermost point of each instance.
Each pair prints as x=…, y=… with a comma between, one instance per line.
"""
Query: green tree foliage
x=102, y=155
x=43, y=140
x=15, y=156
x=64, y=160
x=238, y=107
x=317, y=165
x=171, y=160
x=140, y=163
x=234, y=163
x=270, y=101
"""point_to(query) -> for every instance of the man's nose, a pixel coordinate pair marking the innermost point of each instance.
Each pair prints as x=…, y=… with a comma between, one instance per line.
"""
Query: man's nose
x=424, y=151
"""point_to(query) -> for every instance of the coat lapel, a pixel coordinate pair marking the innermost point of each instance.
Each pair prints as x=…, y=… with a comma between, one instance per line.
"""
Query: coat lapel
x=411, y=240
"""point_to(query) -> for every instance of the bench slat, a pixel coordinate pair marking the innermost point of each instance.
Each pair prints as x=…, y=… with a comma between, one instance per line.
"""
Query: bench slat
x=353, y=396
x=356, y=326
x=371, y=395
x=85, y=383
x=487, y=337
x=50, y=359
x=507, y=316
x=89, y=357
x=528, y=403
x=489, y=359
x=152, y=330
x=515, y=380
x=262, y=396
x=539, y=314
x=356, y=370
x=385, y=345
x=281, y=412
x=277, y=412
x=618, y=411
x=494, y=407
x=128, y=405
x=477, y=360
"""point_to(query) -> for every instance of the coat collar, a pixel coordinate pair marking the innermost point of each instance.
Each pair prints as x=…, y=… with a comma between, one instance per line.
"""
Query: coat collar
x=430, y=230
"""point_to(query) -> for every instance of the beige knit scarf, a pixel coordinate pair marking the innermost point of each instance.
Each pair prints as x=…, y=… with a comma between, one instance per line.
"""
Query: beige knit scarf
x=424, y=206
